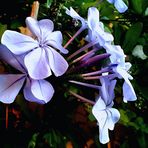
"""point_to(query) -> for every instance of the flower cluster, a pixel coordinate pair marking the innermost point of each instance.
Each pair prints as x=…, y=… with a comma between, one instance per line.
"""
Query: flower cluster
x=37, y=57
x=116, y=68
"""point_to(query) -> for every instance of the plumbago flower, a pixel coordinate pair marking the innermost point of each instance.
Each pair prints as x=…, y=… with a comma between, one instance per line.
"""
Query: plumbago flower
x=121, y=70
x=116, y=68
x=40, y=52
x=40, y=91
x=102, y=110
x=96, y=33
x=119, y=5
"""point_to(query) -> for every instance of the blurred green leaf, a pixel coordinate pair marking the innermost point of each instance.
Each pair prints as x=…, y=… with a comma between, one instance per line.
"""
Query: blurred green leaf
x=91, y=117
x=2, y=29
x=132, y=35
x=54, y=138
x=146, y=12
x=142, y=140
x=48, y=3
x=124, y=118
x=118, y=33
x=137, y=5
x=32, y=142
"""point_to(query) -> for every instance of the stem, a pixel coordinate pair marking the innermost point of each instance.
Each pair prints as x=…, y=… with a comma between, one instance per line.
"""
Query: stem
x=35, y=9
x=85, y=84
x=74, y=36
x=82, y=49
x=98, y=2
x=84, y=55
x=92, y=78
x=109, y=145
x=96, y=72
x=82, y=98
x=33, y=14
x=7, y=113
x=94, y=59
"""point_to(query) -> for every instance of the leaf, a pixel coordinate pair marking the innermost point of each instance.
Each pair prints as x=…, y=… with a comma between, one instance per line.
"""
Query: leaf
x=142, y=140
x=131, y=36
x=54, y=138
x=124, y=118
x=138, y=52
x=118, y=33
x=91, y=117
x=137, y=6
x=2, y=29
x=48, y=3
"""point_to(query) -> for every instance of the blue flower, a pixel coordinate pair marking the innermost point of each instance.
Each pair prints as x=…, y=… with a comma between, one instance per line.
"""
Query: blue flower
x=119, y=5
x=117, y=57
x=128, y=90
x=102, y=110
x=95, y=28
x=39, y=91
x=40, y=52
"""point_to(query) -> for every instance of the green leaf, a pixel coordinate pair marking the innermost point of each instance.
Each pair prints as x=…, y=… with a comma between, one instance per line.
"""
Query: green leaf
x=146, y=12
x=91, y=117
x=48, y=3
x=124, y=118
x=142, y=140
x=118, y=33
x=2, y=29
x=137, y=6
x=131, y=36
x=32, y=142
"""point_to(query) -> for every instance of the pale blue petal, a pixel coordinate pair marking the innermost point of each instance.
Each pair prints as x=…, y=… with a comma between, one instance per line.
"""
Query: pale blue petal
x=107, y=90
x=37, y=65
x=111, y=1
x=104, y=36
x=76, y=16
x=99, y=105
x=55, y=40
x=10, y=87
x=103, y=128
x=93, y=17
x=33, y=26
x=57, y=63
x=13, y=60
x=99, y=112
x=42, y=90
x=128, y=65
x=128, y=92
x=18, y=43
x=111, y=89
x=46, y=27
x=117, y=54
x=104, y=90
x=121, y=72
x=120, y=6
x=106, y=118
x=113, y=117
x=28, y=94
x=39, y=28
